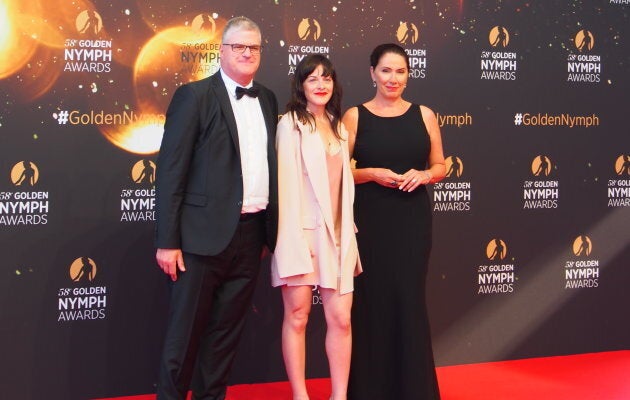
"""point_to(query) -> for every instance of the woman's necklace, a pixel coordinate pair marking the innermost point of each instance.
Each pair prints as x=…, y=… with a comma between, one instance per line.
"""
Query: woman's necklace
x=333, y=146
x=332, y=143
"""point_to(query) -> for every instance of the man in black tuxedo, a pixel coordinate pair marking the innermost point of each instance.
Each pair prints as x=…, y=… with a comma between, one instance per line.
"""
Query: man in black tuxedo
x=216, y=207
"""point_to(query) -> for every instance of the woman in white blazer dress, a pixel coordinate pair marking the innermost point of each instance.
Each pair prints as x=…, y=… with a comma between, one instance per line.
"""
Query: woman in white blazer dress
x=316, y=234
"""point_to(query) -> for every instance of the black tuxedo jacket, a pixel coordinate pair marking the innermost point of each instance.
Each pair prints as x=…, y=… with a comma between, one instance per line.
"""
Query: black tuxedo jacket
x=199, y=184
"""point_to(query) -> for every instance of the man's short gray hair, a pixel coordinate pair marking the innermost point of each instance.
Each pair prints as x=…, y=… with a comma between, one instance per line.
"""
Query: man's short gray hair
x=240, y=23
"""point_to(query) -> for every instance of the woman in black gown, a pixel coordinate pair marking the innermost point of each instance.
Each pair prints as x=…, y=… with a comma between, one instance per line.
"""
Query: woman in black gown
x=398, y=151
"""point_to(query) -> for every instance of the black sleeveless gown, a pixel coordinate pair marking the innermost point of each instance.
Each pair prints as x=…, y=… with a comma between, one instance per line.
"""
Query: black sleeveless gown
x=392, y=358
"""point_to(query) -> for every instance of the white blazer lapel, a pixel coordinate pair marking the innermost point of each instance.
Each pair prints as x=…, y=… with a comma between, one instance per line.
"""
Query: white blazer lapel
x=314, y=157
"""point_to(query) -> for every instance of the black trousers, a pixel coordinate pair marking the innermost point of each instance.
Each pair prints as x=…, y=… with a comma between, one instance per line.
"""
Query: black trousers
x=207, y=313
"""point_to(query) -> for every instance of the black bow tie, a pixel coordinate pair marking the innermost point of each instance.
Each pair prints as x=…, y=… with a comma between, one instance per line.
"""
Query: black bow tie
x=251, y=92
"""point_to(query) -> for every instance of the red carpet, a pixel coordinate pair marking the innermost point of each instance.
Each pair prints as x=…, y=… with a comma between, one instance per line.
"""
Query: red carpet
x=596, y=376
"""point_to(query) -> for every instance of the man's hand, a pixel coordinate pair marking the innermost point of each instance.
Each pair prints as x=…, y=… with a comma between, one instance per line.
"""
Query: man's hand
x=170, y=260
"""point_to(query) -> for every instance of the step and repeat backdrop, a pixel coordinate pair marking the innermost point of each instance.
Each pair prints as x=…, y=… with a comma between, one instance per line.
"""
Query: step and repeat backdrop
x=531, y=241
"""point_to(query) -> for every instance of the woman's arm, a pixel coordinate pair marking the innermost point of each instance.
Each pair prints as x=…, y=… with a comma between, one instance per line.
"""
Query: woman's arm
x=437, y=166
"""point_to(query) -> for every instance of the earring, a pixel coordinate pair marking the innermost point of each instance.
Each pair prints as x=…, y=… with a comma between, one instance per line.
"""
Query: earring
x=374, y=83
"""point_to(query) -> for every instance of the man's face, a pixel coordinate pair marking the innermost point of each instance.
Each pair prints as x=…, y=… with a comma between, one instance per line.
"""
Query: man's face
x=241, y=67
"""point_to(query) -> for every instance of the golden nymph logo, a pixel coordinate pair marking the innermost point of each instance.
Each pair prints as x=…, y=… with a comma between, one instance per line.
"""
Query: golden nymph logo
x=83, y=269
x=499, y=64
x=89, y=23
x=622, y=165
x=407, y=33
x=143, y=172
x=25, y=173
x=499, y=37
x=584, y=41
x=583, y=67
x=454, y=167
x=541, y=166
x=619, y=189
x=138, y=204
x=82, y=302
x=88, y=53
x=204, y=23
x=496, y=250
x=25, y=206
x=541, y=193
x=582, y=246
x=450, y=195
x=496, y=278
x=309, y=29
x=582, y=273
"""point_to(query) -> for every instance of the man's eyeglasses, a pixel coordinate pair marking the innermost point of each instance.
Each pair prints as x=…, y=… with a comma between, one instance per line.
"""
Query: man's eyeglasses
x=240, y=48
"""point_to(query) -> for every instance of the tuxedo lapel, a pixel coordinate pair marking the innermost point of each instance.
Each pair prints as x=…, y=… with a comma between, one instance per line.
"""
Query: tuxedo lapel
x=222, y=96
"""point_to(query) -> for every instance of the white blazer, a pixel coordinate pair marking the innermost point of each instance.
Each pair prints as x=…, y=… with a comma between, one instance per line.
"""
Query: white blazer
x=306, y=231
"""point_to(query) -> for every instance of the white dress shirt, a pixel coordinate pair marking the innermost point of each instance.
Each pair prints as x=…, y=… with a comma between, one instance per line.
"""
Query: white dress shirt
x=252, y=141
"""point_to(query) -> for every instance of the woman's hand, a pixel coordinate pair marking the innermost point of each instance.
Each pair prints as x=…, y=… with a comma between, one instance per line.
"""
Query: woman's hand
x=414, y=178
x=386, y=177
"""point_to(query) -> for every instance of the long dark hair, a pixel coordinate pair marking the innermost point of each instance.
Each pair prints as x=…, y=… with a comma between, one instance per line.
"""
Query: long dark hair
x=297, y=103
x=382, y=49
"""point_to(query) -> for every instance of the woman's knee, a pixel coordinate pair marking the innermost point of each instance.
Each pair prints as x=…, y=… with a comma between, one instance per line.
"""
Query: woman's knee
x=340, y=320
x=297, y=318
